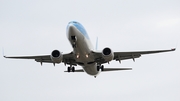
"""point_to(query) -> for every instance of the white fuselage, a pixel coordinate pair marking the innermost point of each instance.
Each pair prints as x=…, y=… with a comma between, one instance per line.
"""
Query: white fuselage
x=82, y=47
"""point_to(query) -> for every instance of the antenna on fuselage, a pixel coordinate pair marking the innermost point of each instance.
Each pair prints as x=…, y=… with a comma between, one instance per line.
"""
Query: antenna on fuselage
x=96, y=43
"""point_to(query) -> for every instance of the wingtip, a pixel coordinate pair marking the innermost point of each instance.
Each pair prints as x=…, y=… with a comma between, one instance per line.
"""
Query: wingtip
x=3, y=53
x=173, y=49
x=4, y=56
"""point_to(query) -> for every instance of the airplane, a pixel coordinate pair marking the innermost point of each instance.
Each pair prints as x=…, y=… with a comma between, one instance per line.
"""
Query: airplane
x=84, y=55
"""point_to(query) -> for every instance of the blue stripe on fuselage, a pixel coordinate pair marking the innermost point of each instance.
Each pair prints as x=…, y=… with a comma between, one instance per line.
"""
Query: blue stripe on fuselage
x=79, y=27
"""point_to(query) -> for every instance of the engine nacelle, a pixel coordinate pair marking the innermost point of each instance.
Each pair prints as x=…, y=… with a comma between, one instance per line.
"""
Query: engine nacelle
x=107, y=54
x=56, y=56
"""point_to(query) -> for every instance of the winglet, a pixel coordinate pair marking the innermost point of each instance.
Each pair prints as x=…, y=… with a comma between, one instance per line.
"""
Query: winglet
x=3, y=52
x=173, y=49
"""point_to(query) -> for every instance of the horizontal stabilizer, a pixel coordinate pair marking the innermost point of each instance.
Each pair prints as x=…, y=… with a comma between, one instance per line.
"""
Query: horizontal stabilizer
x=79, y=70
x=105, y=69
x=115, y=69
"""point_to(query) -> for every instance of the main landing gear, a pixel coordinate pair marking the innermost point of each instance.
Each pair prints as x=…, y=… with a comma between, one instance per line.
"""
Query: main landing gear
x=70, y=69
x=100, y=67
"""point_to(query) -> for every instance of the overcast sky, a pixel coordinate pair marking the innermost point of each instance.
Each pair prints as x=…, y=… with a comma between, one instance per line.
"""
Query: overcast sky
x=38, y=27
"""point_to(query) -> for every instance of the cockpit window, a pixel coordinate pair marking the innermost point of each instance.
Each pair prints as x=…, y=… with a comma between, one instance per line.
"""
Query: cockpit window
x=73, y=22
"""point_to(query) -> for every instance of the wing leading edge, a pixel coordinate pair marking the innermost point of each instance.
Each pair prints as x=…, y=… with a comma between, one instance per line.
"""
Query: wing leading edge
x=118, y=56
x=67, y=58
x=137, y=54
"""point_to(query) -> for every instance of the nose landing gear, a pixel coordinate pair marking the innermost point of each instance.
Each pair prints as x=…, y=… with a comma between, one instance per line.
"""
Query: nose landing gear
x=74, y=39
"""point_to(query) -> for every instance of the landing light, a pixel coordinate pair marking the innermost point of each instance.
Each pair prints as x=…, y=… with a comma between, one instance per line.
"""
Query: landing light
x=87, y=56
x=77, y=56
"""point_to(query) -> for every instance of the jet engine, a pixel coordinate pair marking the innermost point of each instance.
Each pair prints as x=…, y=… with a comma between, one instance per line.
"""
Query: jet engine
x=56, y=56
x=107, y=54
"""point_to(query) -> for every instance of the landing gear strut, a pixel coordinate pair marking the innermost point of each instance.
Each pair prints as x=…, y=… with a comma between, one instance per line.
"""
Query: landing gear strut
x=100, y=67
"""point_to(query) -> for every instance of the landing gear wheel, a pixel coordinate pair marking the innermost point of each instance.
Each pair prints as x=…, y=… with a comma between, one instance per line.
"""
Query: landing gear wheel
x=69, y=69
x=74, y=45
x=73, y=69
x=98, y=67
x=102, y=68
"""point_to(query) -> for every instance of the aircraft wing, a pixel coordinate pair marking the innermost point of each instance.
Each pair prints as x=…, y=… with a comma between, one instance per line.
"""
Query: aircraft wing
x=67, y=58
x=118, y=56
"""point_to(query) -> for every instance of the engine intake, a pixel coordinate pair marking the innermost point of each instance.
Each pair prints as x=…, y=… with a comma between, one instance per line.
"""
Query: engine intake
x=106, y=51
x=55, y=53
x=56, y=56
x=107, y=54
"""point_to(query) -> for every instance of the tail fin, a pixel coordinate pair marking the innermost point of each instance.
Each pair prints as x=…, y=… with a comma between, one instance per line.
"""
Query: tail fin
x=96, y=43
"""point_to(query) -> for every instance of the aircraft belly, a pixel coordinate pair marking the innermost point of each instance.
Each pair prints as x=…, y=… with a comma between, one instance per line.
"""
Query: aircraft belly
x=91, y=69
x=83, y=49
